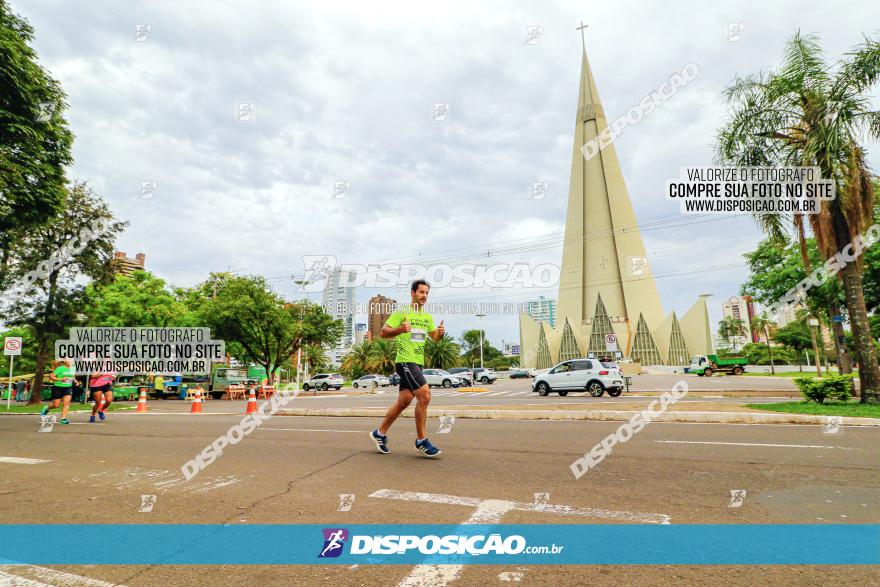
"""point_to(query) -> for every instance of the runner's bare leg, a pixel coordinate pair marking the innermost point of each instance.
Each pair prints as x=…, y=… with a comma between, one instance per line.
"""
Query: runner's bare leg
x=97, y=397
x=404, y=398
x=424, y=398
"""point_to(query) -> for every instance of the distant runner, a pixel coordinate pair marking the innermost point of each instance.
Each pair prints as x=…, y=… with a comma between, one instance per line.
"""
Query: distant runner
x=62, y=378
x=101, y=385
x=410, y=326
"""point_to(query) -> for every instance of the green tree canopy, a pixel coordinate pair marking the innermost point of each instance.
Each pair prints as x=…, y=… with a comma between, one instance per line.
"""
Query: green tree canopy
x=246, y=311
x=442, y=354
x=137, y=300
x=35, y=141
x=51, y=262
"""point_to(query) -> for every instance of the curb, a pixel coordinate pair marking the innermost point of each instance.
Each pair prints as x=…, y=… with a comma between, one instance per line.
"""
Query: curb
x=594, y=415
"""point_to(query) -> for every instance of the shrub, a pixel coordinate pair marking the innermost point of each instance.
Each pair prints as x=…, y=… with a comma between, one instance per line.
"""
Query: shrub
x=834, y=387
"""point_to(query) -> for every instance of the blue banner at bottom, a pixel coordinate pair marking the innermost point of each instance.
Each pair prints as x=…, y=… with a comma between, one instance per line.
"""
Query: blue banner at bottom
x=386, y=544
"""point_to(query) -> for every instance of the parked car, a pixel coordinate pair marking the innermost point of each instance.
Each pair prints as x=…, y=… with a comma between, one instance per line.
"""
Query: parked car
x=324, y=381
x=439, y=377
x=520, y=374
x=371, y=381
x=580, y=375
x=463, y=373
x=484, y=375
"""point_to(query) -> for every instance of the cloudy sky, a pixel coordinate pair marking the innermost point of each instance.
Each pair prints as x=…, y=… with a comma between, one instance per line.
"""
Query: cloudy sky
x=343, y=92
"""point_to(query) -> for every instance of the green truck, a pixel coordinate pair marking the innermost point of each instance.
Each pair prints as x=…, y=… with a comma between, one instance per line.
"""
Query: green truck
x=222, y=377
x=708, y=365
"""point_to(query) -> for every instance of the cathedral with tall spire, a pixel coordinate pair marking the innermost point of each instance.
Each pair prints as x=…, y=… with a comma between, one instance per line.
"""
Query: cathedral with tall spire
x=606, y=286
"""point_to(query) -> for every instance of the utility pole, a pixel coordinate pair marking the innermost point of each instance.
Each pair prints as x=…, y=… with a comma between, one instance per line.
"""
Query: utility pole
x=304, y=283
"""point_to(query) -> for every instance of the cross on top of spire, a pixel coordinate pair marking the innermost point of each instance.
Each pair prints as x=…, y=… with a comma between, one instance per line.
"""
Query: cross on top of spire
x=581, y=29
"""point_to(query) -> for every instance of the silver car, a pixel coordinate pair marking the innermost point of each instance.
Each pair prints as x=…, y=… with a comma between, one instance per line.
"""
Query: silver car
x=441, y=378
x=371, y=381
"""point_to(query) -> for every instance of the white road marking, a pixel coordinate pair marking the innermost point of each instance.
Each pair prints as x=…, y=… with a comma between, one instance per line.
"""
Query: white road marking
x=490, y=511
x=51, y=576
x=753, y=444
x=22, y=461
x=15, y=581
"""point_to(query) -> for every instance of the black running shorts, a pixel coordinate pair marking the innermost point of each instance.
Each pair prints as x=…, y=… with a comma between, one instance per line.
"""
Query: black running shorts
x=59, y=392
x=411, y=376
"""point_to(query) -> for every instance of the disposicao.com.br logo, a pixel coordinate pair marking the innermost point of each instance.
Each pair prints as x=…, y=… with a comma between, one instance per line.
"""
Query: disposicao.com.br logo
x=450, y=544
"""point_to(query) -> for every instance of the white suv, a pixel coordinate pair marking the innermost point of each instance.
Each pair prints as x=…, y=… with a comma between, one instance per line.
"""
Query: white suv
x=323, y=381
x=579, y=375
x=484, y=375
x=440, y=377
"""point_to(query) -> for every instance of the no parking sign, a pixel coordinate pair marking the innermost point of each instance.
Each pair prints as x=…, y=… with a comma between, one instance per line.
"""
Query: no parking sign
x=610, y=342
x=12, y=345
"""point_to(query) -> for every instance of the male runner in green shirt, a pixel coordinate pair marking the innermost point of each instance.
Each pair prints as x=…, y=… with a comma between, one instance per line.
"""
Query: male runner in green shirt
x=410, y=326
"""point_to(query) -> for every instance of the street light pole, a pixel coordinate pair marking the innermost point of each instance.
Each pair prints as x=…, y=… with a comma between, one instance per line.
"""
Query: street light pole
x=304, y=283
x=480, y=316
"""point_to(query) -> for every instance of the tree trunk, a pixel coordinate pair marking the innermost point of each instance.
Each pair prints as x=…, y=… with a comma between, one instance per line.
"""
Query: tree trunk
x=37, y=386
x=769, y=350
x=43, y=341
x=869, y=371
x=844, y=362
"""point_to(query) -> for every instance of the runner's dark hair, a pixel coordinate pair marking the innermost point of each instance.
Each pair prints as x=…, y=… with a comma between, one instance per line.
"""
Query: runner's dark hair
x=415, y=284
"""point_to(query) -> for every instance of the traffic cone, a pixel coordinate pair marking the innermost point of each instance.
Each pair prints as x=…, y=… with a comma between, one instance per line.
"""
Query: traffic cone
x=197, y=403
x=142, y=401
x=252, y=402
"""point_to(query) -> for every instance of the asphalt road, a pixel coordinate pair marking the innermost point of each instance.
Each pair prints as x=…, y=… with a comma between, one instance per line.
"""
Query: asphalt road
x=293, y=470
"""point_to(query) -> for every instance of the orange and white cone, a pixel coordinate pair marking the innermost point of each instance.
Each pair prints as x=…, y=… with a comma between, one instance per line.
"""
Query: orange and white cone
x=197, y=403
x=252, y=402
x=142, y=401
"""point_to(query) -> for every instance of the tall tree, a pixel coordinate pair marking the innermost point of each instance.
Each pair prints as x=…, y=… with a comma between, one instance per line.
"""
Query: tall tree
x=442, y=354
x=35, y=141
x=777, y=267
x=382, y=356
x=809, y=113
x=136, y=300
x=470, y=342
x=246, y=311
x=796, y=336
x=51, y=260
x=763, y=324
x=731, y=327
x=354, y=364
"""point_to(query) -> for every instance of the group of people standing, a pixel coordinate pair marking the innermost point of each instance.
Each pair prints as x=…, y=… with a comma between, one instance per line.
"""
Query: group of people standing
x=63, y=378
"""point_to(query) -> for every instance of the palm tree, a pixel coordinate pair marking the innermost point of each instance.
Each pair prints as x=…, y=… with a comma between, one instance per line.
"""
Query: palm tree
x=730, y=327
x=443, y=353
x=762, y=324
x=314, y=355
x=808, y=115
x=383, y=353
x=356, y=361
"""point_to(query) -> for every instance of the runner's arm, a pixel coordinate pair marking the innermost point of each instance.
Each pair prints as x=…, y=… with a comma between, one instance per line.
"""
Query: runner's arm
x=438, y=332
x=394, y=326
